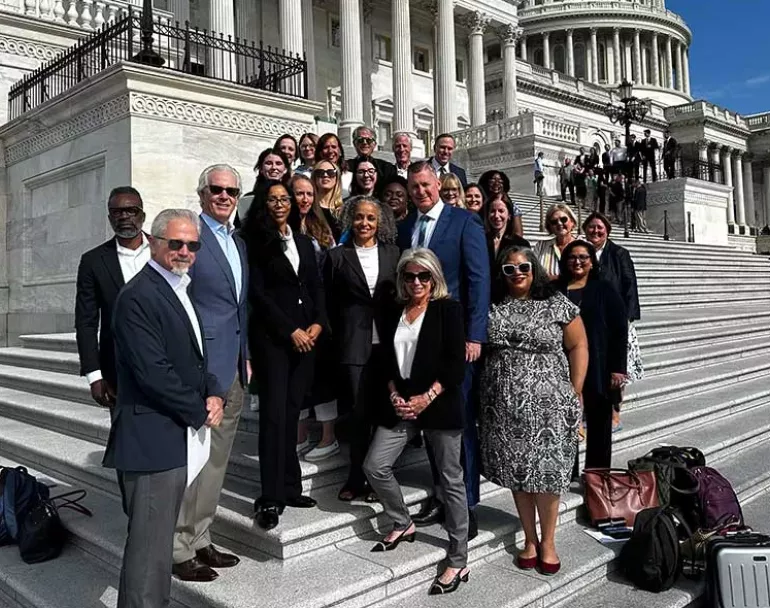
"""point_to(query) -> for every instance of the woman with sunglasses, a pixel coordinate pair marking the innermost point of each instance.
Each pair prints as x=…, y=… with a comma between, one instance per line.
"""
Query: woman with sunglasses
x=287, y=319
x=329, y=148
x=365, y=178
x=326, y=181
x=531, y=387
x=496, y=185
x=498, y=225
x=322, y=398
x=474, y=198
x=559, y=222
x=360, y=284
x=425, y=362
x=451, y=191
x=307, y=144
x=604, y=317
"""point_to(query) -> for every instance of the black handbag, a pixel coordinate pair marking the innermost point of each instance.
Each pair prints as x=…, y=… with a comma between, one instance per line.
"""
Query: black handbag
x=42, y=534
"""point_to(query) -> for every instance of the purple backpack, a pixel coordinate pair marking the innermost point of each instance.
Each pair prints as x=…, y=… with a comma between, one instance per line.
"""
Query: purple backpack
x=715, y=502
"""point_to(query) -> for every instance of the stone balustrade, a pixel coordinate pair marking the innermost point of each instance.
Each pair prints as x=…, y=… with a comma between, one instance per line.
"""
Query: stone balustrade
x=524, y=124
x=529, y=9
x=758, y=122
x=86, y=15
x=706, y=109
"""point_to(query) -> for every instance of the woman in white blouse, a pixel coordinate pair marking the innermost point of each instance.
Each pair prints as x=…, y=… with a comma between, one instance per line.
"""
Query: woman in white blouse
x=559, y=222
x=425, y=363
x=360, y=287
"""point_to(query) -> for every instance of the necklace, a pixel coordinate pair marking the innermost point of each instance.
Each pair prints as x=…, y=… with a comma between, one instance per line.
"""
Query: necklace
x=411, y=313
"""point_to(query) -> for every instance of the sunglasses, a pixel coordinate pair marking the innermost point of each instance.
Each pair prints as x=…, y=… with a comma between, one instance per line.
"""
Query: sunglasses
x=579, y=258
x=319, y=173
x=555, y=221
x=424, y=277
x=117, y=212
x=510, y=269
x=231, y=192
x=177, y=244
x=365, y=140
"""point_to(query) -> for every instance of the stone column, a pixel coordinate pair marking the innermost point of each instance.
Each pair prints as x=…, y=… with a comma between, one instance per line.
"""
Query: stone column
x=686, y=66
x=444, y=75
x=594, y=57
x=508, y=35
x=669, y=82
x=547, y=50
x=290, y=20
x=738, y=181
x=766, y=184
x=222, y=21
x=748, y=191
x=352, y=82
x=727, y=173
x=616, y=54
x=308, y=42
x=655, y=57
x=570, y=54
x=637, y=56
x=679, y=68
x=476, y=22
x=181, y=10
x=403, y=117
x=524, y=52
x=703, y=157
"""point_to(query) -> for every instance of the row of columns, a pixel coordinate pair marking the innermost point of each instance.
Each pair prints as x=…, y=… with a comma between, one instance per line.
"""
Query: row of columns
x=738, y=175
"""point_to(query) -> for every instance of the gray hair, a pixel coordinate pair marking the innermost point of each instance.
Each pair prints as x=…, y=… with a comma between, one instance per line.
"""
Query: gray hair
x=161, y=221
x=203, y=180
x=358, y=130
x=386, y=222
x=427, y=259
x=398, y=134
x=565, y=209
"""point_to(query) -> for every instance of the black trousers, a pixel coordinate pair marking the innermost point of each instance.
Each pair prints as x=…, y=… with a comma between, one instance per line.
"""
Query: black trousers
x=652, y=165
x=284, y=379
x=669, y=166
x=598, y=414
x=366, y=386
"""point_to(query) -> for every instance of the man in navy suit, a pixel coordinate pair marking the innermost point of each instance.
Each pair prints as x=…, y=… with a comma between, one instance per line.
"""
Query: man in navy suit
x=163, y=388
x=456, y=236
x=443, y=149
x=218, y=289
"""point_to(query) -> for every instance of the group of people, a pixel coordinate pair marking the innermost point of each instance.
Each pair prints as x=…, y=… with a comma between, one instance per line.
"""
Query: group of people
x=398, y=296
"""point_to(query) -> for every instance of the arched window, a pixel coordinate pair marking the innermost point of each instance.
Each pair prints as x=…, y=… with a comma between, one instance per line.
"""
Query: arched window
x=559, y=61
x=602, y=63
x=580, y=61
x=538, y=57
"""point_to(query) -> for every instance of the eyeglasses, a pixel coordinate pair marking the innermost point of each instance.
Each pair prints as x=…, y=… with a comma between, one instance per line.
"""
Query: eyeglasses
x=579, y=258
x=510, y=269
x=117, y=212
x=231, y=192
x=365, y=140
x=556, y=220
x=281, y=200
x=424, y=277
x=365, y=172
x=177, y=244
x=319, y=173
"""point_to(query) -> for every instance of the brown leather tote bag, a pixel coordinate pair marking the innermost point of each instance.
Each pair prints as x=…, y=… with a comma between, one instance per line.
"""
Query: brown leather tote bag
x=619, y=493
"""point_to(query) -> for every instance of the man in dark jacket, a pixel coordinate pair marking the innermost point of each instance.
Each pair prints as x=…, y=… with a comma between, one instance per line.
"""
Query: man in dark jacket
x=669, y=154
x=640, y=206
x=365, y=143
x=649, y=146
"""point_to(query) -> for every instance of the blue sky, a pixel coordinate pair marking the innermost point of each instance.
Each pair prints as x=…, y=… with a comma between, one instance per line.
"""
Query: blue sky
x=729, y=57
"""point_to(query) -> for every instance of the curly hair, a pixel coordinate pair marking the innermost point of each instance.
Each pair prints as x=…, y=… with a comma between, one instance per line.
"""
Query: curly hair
x=486, y=179
x=565, y=274
x=386, y=222
x=259, y=230
x=541, y=289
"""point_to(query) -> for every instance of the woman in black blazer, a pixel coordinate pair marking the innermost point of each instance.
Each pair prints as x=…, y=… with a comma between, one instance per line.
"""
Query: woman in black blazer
x=604, y=318
x=425, y=364
x=360, y=287
x=288, y=314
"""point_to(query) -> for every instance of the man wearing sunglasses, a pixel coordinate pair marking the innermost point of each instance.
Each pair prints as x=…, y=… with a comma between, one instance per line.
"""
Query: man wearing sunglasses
x=218, y=289
x=101, y=274
x=365, y=143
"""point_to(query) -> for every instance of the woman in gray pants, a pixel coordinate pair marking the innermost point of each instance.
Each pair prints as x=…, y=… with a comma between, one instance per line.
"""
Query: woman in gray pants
x=425, y=363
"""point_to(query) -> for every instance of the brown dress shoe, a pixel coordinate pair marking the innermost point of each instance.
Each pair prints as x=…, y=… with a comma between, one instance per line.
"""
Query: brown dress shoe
x=194, y=571
x=216, y=559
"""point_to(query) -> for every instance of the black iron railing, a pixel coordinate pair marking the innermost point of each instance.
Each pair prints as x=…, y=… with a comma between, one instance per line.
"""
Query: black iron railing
x=182, y=49
x=700, y=169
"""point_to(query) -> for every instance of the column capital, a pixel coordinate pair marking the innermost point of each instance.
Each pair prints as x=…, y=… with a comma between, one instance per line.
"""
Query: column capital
x=546, y=35
x=476, y=22
x=569, y=31
x=509, y=33
x=738, y=153
x=655, y=36
x=726, y=151
x=616, y=30
x=593, y=30
x=703, y=144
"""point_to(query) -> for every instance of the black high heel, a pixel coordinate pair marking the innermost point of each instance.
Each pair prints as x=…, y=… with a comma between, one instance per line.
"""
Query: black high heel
x=439, y=588
x=384, y=545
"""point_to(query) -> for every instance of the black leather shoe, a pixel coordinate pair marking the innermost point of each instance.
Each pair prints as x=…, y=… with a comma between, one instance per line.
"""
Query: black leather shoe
x=473, y=525
x=267, y=517
x=194, y=571
x=432, y=512
x=439, y=588
x=216, y=559
x=301, y=502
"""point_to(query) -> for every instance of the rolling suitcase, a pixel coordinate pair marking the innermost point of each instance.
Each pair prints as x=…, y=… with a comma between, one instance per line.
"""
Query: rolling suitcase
x=738, y=571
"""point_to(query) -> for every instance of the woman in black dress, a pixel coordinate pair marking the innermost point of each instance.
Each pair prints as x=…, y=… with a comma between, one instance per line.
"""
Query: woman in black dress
x=288, y=316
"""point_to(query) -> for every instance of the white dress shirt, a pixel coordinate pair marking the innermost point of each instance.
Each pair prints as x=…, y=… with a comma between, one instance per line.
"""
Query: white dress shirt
x=405, y=343
x=370, y=263
x=403, y=172
x=179, y=286
x=438, y=168
x=290, y=249
x=433, y=214
x=131, y=261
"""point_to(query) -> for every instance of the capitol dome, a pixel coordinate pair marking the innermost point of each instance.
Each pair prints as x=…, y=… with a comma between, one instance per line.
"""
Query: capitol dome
x=605, y=41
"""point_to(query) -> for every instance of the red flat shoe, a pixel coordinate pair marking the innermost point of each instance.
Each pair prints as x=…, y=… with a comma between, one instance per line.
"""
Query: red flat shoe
x=548, y=569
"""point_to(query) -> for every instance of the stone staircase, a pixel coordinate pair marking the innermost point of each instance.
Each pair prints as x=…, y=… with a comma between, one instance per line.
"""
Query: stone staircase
x=704, y=330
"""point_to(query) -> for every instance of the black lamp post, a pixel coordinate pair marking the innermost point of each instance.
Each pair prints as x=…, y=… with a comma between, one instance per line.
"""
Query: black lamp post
x=633, y=110
x=147, y=55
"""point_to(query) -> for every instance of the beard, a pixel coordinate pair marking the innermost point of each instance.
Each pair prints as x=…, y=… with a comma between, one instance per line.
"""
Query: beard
x=180, y=269
x=126, y=232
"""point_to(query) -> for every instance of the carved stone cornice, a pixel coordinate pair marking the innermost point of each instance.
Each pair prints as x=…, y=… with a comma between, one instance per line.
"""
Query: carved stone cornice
x=25, y=48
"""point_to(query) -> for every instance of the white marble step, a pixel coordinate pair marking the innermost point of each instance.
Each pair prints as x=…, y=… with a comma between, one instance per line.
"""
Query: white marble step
x=689, y=356
x=652, y=341
x=43, y=360
x=59, y=342
x=51, y=384
x=664, y=320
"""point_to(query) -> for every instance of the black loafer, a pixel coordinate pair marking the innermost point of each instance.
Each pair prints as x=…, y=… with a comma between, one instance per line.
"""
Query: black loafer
x=194, y=571
x=267, y=517
x=301, y=502
x=216, y=559
x=431, y=513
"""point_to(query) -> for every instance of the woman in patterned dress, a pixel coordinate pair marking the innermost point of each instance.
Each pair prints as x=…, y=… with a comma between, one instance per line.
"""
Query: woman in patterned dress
x=531, y=391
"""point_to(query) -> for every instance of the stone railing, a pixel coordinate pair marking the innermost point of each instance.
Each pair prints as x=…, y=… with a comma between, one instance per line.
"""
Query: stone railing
x=86, y=15
x=758, y=122
x=527, y=123
x=528, y=8
x=706, y=109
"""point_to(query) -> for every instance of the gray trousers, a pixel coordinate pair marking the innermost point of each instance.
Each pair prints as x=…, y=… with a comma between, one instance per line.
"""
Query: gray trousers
x=385, y=449
x=202, y=497
x=641, y=220
x=151, y=501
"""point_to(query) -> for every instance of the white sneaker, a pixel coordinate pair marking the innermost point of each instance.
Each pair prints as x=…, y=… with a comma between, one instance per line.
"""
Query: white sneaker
x=304, y=446
x=318, y=453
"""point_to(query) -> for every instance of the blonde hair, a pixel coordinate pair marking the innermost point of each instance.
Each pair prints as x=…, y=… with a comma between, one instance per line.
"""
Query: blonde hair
x=565, y=209
x=332, y=200
x=427, y=259
x=450, y=180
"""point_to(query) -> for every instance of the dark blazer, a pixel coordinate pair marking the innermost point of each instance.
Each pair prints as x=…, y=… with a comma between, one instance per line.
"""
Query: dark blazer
x=617, y=268
x=459, y=242
x=669, y=147
x=385, y=169
x=282, y=300
x=223, y=315
x=606, y=160
x=98, y=283
x=634, y=152
x=505, y=243
x=456, y=170
x=648, y=148
x=640, y=199
x=162, y=378
x=351, y=308
x=440, y=355
x=606, y=326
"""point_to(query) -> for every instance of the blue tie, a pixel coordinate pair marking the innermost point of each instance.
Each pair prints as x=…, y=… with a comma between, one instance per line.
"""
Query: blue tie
x=423, y=230
x=233, y=258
